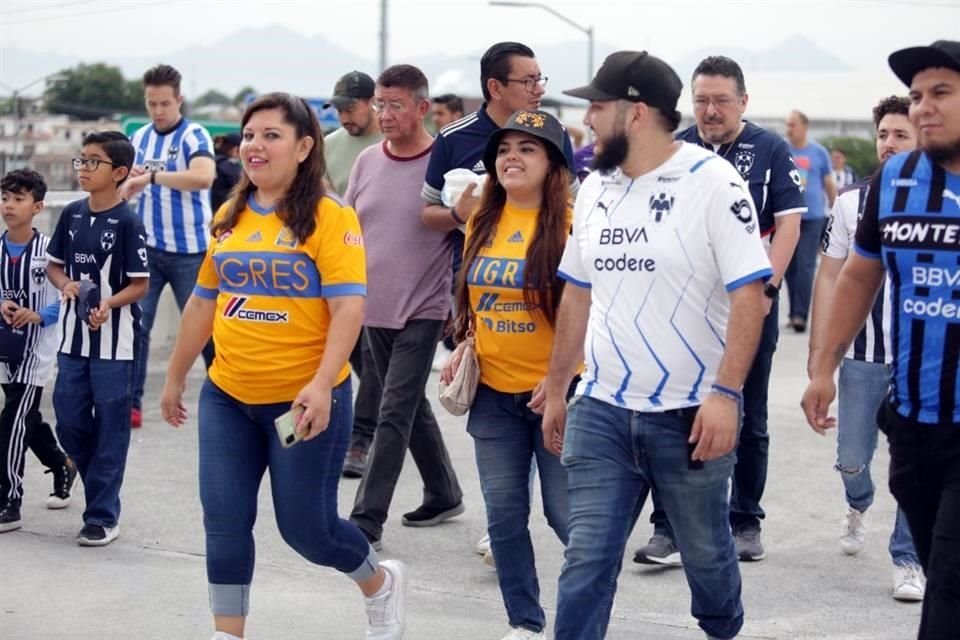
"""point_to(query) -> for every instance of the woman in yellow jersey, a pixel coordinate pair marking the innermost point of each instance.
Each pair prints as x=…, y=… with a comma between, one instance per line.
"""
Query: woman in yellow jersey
x=508, y=295
x=281, y=290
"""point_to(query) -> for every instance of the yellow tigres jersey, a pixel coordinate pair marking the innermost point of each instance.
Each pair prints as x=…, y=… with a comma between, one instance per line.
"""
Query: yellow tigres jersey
x=513, y=342
x=272, y=318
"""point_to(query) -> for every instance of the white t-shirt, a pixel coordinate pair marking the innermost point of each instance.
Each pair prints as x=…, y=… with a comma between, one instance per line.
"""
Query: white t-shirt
x=872, y=343
x=660, y=253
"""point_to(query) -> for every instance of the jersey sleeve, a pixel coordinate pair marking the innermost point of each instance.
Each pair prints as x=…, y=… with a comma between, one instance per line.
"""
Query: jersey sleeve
x=786, y=191
x=208, y=280
x=57, y=247
x=836, y=237
x=571, y=266
x=733, y=229
x=867, y=240
x=197, y=143
x=341, y=259
x=135, y=248
x=437, y=167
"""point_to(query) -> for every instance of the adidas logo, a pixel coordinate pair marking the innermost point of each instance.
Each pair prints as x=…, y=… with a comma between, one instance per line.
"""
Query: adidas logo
x=515, y=238
x=479, y=167
x=256, y=237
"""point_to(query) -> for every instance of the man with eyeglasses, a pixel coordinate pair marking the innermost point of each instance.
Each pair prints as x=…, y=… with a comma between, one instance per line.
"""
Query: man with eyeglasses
x=408, y=300
x=763, y=161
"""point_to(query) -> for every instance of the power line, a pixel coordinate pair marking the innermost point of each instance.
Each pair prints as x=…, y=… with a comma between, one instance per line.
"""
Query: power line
x=83, y=14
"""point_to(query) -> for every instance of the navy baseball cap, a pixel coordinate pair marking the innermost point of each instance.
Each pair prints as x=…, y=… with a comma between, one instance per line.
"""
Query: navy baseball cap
x=636, y=76
x=537, y=123
x=354, y=86
x=907, y=63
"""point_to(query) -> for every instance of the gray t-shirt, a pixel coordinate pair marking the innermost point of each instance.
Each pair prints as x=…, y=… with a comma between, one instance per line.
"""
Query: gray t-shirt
x=408, y=264
x=340, y=151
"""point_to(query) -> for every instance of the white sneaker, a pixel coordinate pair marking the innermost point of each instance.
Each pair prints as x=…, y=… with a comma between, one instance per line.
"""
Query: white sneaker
x=489, y=560
x=518, y=633
x=386, y=614
x=440, y=357
x=908, y=583
x=223, y=635
x=853, y=531
x=483, y=545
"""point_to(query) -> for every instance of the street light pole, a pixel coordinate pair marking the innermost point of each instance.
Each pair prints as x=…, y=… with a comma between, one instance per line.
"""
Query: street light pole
x=576, y=25
x=383, y=35
x=15, y=98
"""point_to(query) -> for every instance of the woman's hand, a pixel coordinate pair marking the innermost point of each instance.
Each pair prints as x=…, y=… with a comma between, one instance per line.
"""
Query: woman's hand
x=171, y=403
x=453, y=363
x=316, y=401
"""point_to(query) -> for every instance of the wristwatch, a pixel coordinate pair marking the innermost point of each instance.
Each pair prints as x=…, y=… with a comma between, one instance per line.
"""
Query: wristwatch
x=771, y=290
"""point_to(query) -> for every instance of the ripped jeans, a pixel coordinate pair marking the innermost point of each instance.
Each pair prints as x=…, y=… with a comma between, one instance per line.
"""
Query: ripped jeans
x=862, y=388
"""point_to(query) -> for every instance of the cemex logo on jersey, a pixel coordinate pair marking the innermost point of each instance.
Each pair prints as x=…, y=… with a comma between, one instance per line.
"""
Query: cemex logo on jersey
x=235, y=309
x=660, y=206
x=488, y=302
x=743, y=162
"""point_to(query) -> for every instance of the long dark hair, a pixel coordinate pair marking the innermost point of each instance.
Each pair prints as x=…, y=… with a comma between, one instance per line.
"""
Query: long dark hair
x=541, y=285
x=298, y=207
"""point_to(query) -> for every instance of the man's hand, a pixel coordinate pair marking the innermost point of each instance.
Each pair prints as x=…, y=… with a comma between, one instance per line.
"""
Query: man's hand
x=137, y=171
x=7, y=309
x=23, y=316
x=767, y=306
x=134, y=185
x=715, y=428
x=99, y=315
x=816, y=403
x=467, y=203
x=71, y=290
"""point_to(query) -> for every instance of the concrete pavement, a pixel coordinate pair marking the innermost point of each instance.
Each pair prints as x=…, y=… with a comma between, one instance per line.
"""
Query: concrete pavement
x=150, y=583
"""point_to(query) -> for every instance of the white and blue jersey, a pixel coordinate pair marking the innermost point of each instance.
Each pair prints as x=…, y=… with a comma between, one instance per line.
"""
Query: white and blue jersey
x=911, y=221
x=175, y=221
x=763, y=161
x=660, y=254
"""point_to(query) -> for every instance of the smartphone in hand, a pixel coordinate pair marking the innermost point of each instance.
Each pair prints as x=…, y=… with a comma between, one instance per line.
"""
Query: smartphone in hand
x=287, y=427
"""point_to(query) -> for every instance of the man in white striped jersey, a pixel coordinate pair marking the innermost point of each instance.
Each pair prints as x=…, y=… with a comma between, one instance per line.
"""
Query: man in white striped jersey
x=173, y=172
x=28, y=343
x=865, y=371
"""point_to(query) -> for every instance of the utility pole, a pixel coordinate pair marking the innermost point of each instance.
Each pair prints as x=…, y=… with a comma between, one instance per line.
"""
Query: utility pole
x=383, y=35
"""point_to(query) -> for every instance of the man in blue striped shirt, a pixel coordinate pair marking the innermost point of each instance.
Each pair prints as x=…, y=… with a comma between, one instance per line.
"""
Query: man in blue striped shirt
x=910, y=232
x=172, y=174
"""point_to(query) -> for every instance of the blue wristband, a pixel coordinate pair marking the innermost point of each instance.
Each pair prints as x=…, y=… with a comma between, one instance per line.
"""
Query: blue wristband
x=727, y=392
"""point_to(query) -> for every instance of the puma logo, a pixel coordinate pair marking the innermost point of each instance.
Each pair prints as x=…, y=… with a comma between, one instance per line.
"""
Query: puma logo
x=950, y=194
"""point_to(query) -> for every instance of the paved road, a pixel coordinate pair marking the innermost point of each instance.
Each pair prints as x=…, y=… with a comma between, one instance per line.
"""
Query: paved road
x=150, y=583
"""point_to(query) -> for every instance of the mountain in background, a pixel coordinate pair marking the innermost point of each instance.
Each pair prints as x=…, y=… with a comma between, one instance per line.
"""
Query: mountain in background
x=310, y=65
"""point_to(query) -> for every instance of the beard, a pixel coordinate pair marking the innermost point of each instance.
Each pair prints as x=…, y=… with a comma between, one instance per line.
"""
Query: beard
x=944, y=153
x=611, y=153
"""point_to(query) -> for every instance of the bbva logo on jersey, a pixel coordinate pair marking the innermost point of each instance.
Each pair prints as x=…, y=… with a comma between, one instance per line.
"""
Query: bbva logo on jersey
x=660, y=206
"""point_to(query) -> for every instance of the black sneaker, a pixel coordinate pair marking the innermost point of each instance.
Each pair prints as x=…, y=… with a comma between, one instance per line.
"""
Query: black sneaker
x=64, y=477
x=10, y=516
x=430, y=516
x=93, y=535
x=355, y=463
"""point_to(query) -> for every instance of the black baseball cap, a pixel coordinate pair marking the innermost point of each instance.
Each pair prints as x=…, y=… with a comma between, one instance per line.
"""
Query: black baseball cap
x=232, y=139
x=636, y=76
x=537, y=123
x=354, y=86
x=907, y=63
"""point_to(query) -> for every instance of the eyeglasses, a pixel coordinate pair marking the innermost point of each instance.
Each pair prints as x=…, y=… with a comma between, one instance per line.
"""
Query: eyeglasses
x=720, y=102
x=394, y=105
x=529, y=83
x=90, y=164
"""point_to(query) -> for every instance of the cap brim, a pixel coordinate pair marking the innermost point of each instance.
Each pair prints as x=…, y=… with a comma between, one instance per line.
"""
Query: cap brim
x=339, y=102
x=589, y=93
x=907, y=63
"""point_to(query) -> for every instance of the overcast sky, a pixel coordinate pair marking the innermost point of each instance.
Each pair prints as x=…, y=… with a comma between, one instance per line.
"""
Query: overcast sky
x=863, y=32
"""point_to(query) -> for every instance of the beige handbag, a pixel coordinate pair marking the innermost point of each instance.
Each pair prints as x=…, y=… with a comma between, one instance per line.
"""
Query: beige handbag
x=457, y=397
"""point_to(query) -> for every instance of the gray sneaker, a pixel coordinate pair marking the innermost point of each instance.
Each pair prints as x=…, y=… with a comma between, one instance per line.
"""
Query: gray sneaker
x=748, y=544
x=659, y=550
x=355, y=464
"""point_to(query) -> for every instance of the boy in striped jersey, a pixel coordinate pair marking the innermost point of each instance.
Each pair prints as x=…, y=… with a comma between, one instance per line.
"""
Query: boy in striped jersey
x=98, y=259
x=29, y=307
x=865, y=371
x=172, y=175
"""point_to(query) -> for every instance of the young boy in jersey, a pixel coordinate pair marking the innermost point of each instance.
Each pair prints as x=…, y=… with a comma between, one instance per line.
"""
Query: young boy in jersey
x=28, y=340
x=98, y=259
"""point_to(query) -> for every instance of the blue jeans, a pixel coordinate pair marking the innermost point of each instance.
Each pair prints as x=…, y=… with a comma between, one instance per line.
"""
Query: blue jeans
x=238, y=442
x=862, y=389
x=613, y=457
x=91, y=399
x=507, y=436
x=799, y=274
x=179, y=270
